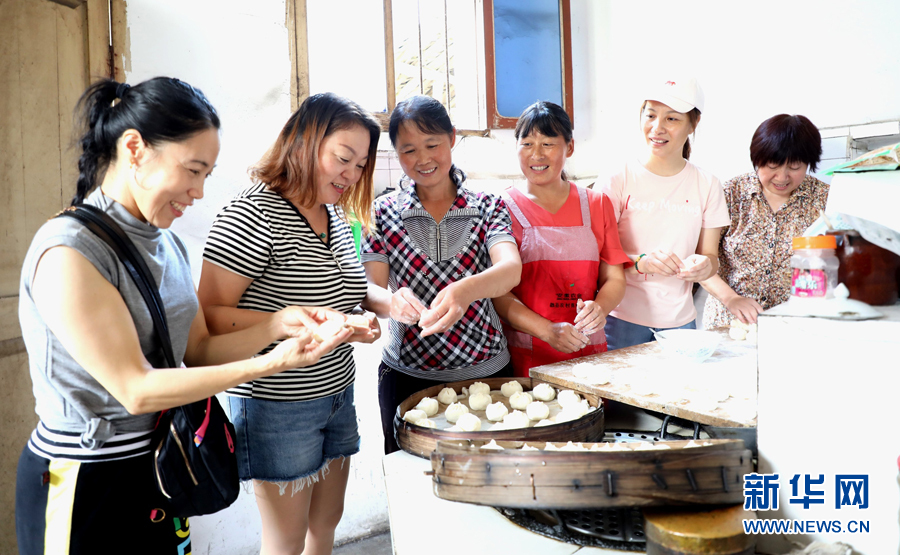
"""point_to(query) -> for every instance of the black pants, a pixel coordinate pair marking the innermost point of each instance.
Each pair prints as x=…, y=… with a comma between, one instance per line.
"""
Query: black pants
x=394, y=387
x=94, y=507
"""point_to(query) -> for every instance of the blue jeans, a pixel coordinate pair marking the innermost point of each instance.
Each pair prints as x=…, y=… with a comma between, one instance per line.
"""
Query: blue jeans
x=620, y=334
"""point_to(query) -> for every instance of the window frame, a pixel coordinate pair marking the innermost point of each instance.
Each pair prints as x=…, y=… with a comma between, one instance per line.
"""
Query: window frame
x=299, y=54
x=497, y=121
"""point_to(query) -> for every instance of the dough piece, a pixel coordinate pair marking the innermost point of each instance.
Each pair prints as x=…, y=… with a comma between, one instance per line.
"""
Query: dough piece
x=447, y=396
x=544, y=392
x=520, y=400
x=454, y=411
x=584, y=369
x=429, y=406
x=498, y=427
x=527, y=447
x=544, y=422
x=573, y=412
x=496, y=411
x=492, y=445
x=550, y=447
x=599, y=447
x=478, y=401
x=516, y=419
x=597, y=376
x=479, y=387
x=567, y=397
x=414, y=415
x=735, y=323
x=691, y=443
x=468, y=422
x=358, y=321
x=327, y=330
x=509, y=388
x=573, y=447
x=537, y=410
x=426, y=423
x=738, y=334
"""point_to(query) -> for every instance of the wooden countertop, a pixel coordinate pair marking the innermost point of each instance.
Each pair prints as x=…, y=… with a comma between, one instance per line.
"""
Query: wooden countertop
x=645, y=376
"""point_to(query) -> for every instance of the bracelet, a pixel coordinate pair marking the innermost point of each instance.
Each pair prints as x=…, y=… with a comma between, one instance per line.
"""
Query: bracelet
x=636, y=260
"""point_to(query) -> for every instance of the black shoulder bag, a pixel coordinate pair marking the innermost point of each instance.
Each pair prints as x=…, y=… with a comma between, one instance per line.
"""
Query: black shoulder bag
x=193, y=447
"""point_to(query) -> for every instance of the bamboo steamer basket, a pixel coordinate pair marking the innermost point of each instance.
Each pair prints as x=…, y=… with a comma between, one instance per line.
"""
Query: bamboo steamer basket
x=631, y=474
x=421, y=441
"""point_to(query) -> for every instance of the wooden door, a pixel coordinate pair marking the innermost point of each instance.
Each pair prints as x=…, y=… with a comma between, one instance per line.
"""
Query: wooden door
x=48, y=55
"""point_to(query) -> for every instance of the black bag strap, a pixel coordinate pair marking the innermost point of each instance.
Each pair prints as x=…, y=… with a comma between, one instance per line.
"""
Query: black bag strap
x=104, y=227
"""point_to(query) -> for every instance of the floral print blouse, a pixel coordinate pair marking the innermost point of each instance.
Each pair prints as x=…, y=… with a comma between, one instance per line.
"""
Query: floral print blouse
x=755, y=250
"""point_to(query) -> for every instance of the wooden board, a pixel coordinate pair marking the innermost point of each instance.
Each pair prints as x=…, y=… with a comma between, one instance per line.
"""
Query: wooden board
x=680, y=388
x=611, y=475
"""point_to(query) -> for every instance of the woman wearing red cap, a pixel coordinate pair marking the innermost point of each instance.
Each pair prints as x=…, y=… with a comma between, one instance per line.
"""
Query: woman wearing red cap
x=670, y=214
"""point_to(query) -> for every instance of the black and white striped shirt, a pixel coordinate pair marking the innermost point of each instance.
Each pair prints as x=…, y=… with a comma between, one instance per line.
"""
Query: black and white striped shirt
x=57, y=445
x=260, y=235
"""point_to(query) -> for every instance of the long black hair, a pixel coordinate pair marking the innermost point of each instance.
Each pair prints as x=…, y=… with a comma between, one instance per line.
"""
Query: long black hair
x=430, y=117
x=160, y=109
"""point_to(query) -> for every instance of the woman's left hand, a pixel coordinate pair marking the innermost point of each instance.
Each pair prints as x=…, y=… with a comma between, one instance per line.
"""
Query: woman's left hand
x=446, y=309
x=697, y=267
x=590, y=317
x=369, y=335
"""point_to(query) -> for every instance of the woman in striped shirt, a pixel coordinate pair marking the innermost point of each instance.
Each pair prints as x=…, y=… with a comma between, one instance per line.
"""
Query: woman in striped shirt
x=285, y=241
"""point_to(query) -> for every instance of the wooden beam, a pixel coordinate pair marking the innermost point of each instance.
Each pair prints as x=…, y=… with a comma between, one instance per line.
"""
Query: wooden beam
x=121, y=43
x=99, y=58
x=298, y=40
x=69, y=3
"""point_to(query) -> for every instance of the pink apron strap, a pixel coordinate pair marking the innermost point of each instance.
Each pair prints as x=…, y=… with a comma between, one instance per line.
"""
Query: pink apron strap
x=514, y=208
x=585, y=207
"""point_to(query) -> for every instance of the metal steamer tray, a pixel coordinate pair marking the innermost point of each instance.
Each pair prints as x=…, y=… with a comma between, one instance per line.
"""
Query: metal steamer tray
x=611, y=475
x=421, y=441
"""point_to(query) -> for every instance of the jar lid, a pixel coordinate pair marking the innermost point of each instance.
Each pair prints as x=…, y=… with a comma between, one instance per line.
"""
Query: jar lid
x=816, y=242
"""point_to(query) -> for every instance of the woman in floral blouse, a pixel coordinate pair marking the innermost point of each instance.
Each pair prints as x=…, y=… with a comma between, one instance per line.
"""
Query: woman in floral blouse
x=768, y=208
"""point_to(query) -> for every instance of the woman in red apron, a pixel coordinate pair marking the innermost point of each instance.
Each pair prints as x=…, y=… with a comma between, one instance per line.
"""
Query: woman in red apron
x=572, y=273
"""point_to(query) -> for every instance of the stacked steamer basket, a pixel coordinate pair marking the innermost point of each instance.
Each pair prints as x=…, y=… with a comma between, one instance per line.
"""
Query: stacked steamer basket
x=571, y=475
x=421, y=441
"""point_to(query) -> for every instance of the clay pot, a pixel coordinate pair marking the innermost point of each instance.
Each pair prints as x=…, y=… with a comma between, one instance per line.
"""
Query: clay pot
x=871, y=273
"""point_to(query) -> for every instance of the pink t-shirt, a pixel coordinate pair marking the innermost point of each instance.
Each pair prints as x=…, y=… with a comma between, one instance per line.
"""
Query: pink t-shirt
x=662, y=213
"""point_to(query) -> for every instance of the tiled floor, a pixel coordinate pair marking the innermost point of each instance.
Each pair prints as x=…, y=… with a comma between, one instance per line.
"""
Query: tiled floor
x=375, y=545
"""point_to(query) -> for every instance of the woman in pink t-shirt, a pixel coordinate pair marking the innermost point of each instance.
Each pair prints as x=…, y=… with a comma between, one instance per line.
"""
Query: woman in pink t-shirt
x=669, y=213
x=572, y=261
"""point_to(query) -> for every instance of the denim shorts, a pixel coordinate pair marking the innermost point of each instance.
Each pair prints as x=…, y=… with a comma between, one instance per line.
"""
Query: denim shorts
x=285, y=441
x=621, y=333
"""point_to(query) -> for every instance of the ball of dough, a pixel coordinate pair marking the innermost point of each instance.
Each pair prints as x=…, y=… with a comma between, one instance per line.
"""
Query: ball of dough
x=447, y=396
x=738, y=334
x=468, y=422
x=545, y=422
x=516, y=419
x=567, y=415
x=414, y=415
x=496, y=411
x=454, y=411
x=327, y=330
x=544, y=392
x=429, y=406
x=479, y=401
x=358, y=321
x=568, y=397
x=492, y=445
x=426, y=423
x=479, y=387
x=509, y=388
x=520, y=400
x=537, y=410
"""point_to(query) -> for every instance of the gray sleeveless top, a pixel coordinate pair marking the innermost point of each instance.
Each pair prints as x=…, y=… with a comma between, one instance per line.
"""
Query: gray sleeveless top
x=67, y=398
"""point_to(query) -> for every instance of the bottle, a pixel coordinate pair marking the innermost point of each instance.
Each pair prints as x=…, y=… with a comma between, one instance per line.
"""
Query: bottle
x=814, y=267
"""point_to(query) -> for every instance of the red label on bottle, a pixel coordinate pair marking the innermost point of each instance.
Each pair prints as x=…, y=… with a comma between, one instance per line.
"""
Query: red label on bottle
x=808, y=283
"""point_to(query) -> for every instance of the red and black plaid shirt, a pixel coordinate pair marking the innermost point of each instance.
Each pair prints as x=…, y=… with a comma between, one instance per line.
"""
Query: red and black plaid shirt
x=427, y=257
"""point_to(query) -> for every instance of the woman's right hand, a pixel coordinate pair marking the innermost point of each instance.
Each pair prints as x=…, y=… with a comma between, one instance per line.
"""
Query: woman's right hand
x=661, y=262
x=744, y=308
x=563, y=337
x=406, y=308
x=302, y=350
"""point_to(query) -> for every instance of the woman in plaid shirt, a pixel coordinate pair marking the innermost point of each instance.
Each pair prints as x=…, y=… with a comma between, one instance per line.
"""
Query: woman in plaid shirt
x=437, y=254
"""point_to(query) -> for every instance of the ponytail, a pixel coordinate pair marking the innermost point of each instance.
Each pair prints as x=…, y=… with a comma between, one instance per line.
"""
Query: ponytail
x=693, y=117
x=161, y=109
x=686, y=150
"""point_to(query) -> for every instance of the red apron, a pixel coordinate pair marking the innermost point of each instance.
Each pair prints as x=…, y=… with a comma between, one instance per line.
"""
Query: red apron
x=560, y=264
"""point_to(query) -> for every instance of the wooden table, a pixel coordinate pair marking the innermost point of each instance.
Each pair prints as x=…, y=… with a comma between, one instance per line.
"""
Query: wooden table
x=644, y=376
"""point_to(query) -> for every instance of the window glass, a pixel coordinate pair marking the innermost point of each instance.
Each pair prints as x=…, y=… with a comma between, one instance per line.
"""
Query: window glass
x=346, y=50
x=527, y=48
